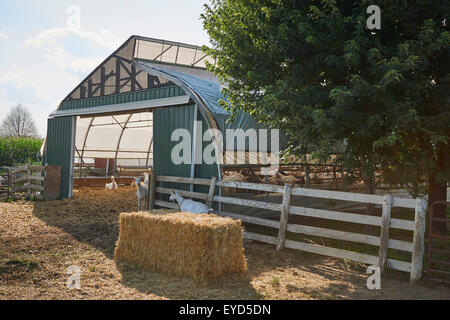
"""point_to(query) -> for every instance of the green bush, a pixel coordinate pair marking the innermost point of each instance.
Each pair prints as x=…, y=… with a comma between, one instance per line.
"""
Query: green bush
x=16, y=151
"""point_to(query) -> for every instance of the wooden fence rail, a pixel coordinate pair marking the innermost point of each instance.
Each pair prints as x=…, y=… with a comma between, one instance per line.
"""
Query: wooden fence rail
x=385, y=222
x=4, y=183
x=27, y=178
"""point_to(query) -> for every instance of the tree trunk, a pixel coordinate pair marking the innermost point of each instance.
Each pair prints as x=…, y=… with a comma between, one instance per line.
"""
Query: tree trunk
x=369, y=183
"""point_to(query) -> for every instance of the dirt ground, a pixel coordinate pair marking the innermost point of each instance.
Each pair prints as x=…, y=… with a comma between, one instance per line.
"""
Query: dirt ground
x=40, y=240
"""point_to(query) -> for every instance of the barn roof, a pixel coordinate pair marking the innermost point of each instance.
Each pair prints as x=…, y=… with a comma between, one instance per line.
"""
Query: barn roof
x=136, y=63
x=114, y=101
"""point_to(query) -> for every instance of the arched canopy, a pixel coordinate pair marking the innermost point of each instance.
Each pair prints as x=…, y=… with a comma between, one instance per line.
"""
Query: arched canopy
x=126, y=137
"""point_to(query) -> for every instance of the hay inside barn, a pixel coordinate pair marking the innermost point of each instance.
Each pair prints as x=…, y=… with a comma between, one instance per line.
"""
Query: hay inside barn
x=199, y=247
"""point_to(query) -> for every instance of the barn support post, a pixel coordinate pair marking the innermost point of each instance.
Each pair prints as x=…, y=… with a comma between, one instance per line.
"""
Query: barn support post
x=287, y=194
x=194, y=147
x=384, y=233
x=151, y=190
x=212, y=189
x=418, y=240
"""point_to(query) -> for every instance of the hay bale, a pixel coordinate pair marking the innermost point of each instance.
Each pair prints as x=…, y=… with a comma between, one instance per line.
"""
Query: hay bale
x=197, y=246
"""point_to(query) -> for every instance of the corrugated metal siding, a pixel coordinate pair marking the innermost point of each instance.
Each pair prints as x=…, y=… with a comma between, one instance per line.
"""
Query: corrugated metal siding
x=150, y=94
x=59, y=150
x=165, y=121
x=206, y=171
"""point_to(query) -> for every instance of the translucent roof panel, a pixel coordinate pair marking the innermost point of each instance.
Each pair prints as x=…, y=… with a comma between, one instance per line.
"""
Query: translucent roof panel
x=164, y=51
x=116, y=74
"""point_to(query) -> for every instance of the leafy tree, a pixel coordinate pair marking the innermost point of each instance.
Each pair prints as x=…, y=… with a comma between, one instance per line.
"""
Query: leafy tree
x=314, y=69
x=18, y=123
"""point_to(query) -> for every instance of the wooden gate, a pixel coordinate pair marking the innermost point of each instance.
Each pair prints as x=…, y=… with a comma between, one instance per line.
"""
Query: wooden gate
x=42, y=181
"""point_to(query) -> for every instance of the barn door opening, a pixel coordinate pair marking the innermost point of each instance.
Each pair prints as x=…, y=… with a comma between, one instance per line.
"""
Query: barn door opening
x=119, y=145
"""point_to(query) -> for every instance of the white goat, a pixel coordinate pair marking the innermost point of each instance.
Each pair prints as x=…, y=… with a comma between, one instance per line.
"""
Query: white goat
x=112, y=185
x=188, y=205
x=142, y=194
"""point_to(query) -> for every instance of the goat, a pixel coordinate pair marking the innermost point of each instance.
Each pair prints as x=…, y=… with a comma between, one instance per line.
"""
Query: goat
x=188, y=205
x=232, y=176
x=142, y=193
x=287, y=179
x=112, y=185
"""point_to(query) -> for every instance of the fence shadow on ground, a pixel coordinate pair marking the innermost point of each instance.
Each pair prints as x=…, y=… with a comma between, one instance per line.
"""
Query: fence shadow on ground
x=92, y=217
x=94, y=220
x=98, y=226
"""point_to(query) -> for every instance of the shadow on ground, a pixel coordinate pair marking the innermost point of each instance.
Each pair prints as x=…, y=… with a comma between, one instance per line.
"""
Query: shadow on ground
x=92, y=217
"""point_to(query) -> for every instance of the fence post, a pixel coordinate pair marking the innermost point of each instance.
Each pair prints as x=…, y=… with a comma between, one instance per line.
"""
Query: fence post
x=151, y=190
x=343, y=186
x=9, y=184
x=384, y=233
x=334, y=177
x=212, y=189
x=307, y=179
x=418, y=240
x=28, y=180
x=284, y=216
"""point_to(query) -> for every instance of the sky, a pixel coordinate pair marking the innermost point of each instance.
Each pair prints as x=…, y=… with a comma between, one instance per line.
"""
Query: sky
x=47, y=47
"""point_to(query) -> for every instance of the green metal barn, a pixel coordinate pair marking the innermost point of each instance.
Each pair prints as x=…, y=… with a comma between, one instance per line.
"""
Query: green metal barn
x=127, y=108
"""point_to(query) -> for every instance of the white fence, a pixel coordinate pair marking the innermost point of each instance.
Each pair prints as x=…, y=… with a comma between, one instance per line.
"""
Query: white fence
x=385, y=222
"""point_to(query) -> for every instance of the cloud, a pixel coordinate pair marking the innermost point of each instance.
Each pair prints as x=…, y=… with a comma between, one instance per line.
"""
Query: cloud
x=3, y=34
x=18, y=76
x=50, y=64
x=41, y=94
x=104, y=38
x=49, y=43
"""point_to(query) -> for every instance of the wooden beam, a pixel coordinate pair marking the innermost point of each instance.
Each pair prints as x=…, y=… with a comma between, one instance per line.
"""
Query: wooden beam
x=384, y=233
x=90, y=94
x=252, y=220
x=260, y=237
x=102, y=81
x=284, y=216
x=249, y=203
x=418, y=240
x=200, y=181
x=166, y=204
x=117, y=75
x=29, y=172
x=184, y=193
x=28, y=178
x=212, y=189
x=133, y=77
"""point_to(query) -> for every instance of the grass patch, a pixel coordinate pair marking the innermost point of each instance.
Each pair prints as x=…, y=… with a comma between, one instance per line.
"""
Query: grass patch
x=17, y=264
